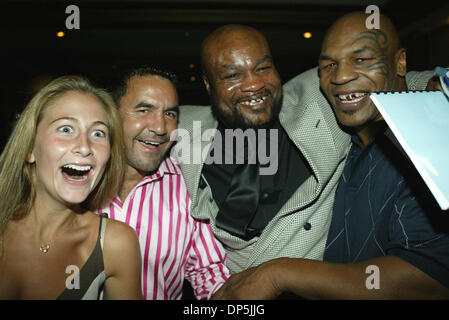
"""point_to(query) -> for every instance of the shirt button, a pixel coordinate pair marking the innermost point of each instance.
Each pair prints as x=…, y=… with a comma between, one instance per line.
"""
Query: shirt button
x=307, y=226
x=265, y=195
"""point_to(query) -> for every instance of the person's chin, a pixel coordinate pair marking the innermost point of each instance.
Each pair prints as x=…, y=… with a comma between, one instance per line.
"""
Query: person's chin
x=153, y=164
x=353, y=122
x=245, y=119
x=72, y=198
x=256, y=119
x=261, y=124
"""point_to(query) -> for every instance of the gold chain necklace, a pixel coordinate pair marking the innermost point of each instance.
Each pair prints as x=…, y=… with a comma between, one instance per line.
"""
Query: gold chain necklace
x=44, y=248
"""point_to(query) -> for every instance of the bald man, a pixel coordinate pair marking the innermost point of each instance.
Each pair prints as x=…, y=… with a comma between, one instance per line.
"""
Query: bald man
x=292, y=210
x=386, y=239
x=233, y=77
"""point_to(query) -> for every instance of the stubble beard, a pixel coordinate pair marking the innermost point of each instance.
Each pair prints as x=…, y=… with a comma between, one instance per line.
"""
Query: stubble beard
x=144, y=166
x=237, y=120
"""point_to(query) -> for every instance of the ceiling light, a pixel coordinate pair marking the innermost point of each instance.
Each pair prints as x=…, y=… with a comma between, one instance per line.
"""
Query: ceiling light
x=307, y=35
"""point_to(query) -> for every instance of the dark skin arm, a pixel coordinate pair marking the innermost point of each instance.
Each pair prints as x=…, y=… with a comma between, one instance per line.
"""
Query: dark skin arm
x=312, y=279
x=434, y=83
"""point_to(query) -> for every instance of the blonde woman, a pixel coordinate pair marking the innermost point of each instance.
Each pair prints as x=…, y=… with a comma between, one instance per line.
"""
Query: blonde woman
x=65, y=158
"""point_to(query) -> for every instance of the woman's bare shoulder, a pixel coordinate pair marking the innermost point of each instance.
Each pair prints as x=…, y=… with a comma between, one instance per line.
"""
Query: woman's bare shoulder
x=119, y=237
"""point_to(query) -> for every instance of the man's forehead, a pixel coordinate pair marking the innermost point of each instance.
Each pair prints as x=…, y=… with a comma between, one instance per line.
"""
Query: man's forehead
x=144, y=81
x=353, y=39
x=239, y=52
x=149, y=84
x=149, y=87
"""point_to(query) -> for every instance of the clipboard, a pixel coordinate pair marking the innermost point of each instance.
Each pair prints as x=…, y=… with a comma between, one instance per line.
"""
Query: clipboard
x=420, y=122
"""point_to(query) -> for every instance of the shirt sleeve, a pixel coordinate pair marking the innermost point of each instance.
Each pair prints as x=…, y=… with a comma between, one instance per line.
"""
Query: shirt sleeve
x=420, y=236
x=205, y=266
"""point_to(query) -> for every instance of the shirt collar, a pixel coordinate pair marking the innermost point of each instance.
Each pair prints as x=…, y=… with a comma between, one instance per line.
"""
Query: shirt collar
x=167, y=166
x=356, y=140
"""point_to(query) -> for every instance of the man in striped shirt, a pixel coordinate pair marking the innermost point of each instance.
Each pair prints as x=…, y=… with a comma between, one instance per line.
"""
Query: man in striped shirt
x=153, y=198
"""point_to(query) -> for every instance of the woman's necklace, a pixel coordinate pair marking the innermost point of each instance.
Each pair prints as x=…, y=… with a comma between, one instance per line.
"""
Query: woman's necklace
x=44, y=247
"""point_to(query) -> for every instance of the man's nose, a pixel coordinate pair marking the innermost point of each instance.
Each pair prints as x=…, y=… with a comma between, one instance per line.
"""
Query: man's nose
x=252, y=82
x=344, y=73
x=157, y=124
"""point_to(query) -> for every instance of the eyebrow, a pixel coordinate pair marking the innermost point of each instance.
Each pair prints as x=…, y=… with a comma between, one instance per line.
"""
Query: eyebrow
x=264, y=58
x=323, y=57
x=356, y=51
x=364, y=48
x=174, y=108
x=98, y=122
x=144, y=104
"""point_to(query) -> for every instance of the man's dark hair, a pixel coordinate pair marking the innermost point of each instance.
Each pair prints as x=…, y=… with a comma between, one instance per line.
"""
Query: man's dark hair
x=122, y=87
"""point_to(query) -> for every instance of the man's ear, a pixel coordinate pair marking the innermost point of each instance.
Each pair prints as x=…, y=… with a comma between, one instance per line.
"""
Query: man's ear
x=400, y=59
x=206, y=83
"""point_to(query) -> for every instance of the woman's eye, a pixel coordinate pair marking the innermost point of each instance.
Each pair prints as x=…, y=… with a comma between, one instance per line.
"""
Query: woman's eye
x=65, y=129
x=99, y=133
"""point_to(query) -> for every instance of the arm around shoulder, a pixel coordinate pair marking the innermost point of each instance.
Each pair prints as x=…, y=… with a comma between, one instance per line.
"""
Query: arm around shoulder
x=122, y=261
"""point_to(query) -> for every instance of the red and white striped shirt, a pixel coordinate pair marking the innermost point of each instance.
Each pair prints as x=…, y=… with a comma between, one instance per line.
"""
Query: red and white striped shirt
x=174, y=245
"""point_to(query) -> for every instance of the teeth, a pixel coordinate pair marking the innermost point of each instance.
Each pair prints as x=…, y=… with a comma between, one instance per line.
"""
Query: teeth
x=352, y=97
x=78, y=168
x=254, y=102
x=151, y=143
x=77, y=178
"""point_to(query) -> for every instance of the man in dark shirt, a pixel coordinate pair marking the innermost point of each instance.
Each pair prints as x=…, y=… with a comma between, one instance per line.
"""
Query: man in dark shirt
x=382, y=208
x=381, y=226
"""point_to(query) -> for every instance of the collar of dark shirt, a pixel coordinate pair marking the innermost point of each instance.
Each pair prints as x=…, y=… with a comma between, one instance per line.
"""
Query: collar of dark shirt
x=382, y=130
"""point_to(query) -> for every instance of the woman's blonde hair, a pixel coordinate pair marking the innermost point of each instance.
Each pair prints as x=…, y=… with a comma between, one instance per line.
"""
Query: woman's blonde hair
x=17, y=176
